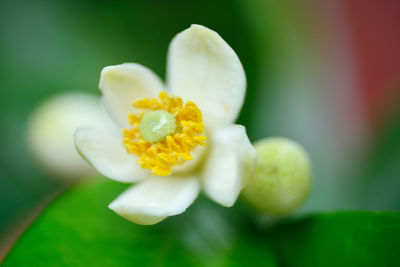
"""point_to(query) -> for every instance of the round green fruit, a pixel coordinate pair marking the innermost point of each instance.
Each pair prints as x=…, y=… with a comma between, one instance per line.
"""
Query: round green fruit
x=282, y=179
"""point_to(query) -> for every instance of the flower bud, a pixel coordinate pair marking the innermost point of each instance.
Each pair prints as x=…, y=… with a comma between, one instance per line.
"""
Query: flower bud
x=51, y=128
x=282, y=179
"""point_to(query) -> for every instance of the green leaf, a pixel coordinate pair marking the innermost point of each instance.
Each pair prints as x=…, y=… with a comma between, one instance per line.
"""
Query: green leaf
x=340, y=239
x=78, y=229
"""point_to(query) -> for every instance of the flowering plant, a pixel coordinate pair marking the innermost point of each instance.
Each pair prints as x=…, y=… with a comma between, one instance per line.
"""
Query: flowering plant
x=179, y=142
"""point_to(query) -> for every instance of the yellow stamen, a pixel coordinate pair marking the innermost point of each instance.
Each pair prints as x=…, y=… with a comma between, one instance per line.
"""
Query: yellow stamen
x=173, y=150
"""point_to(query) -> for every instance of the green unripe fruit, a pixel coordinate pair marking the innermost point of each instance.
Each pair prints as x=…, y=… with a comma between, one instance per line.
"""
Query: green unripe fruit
x=282, y=179
x=156, y=125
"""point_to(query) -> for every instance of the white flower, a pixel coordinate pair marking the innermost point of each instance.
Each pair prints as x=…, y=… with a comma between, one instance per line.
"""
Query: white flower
x=50, y=129
x=206, y=73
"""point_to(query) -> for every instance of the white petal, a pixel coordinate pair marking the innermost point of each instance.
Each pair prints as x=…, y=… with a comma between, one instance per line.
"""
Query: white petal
x=229, y=165
x=122, y=84
x=156, y=198
x=104, y=150
x=203, y=68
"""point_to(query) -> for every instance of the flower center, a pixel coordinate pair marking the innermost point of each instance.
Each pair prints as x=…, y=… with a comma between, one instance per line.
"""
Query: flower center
x=156, y=125
x=164, y=134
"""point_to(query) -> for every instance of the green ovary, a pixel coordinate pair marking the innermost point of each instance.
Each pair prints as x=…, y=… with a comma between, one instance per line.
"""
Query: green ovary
x=155, y=126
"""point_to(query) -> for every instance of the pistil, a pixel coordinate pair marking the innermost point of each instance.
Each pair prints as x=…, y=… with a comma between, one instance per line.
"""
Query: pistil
x=155, y=126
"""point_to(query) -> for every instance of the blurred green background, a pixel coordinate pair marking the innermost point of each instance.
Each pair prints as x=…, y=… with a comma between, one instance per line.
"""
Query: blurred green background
x=321, y=73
